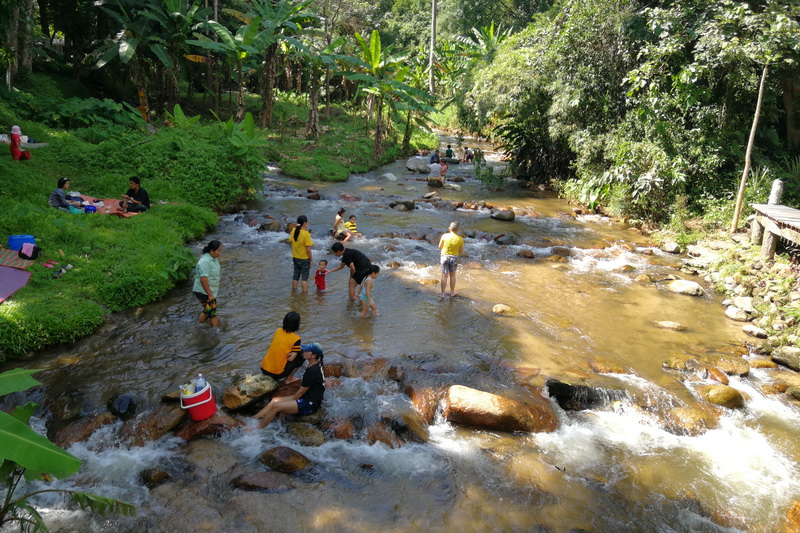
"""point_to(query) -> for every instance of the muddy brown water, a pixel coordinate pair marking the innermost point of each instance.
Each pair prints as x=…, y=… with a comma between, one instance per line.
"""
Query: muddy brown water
x=612, y=469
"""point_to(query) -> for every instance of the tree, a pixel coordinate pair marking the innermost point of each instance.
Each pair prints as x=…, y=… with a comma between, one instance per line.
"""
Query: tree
x=25, y=453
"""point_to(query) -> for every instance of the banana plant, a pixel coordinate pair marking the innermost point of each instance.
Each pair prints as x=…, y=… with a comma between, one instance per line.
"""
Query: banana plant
x=26, y=454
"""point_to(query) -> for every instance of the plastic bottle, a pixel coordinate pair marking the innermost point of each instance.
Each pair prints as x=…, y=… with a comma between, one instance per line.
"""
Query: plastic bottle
x=200, y=383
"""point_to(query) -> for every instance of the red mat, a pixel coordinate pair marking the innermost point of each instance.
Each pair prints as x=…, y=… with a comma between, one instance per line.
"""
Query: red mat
x=111, y=206
x=11, y=280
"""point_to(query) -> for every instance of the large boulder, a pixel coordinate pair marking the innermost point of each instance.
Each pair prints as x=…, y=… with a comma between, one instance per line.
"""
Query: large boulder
x=418, y=164
x=389, y=177
x=477, y=408
x=734, y=313
x=305, y=435
x=578, y=397
x=284, y=459
x=122, y=406
x=424, y=399
x=381, y=432
x=733, y=366
x=215, y=425
x=247, y=391
x=721, y=395
x=152, y=425
x=692, y=420
x=80, y=430
x=788, y=356
x=688, y=288
x=267, y=481
x=503, y=214
x=402, y=205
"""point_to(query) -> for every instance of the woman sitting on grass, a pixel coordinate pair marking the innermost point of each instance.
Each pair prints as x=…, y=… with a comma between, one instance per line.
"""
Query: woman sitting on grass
x=17, y=153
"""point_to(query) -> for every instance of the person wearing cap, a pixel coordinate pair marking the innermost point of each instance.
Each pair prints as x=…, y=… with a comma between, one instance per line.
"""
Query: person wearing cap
x=58, y=198
x=452, y=245
x=359, y=266
x=308, y=398
x=17, y=153
x=283, y=356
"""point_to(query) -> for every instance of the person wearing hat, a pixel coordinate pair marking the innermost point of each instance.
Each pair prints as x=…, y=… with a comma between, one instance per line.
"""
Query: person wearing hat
x=308, y=397
x=17, y=153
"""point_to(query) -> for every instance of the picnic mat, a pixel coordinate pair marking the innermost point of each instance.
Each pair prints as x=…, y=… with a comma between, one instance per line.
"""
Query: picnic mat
x=11, y=258
x=11, y=280
x=111, y=206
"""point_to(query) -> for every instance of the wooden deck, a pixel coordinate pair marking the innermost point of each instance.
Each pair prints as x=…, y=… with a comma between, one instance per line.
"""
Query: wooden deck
x=781, y=220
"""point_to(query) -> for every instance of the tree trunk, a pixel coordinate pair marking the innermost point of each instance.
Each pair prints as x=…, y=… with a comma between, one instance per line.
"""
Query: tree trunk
x=740, y=196
x=791, y=93
x=377, y=149
x=26, y=25
x=268, y=86
x=407, y=135
x=312, y=127
x=432, y=57
x=13, y=45
x=140, y=81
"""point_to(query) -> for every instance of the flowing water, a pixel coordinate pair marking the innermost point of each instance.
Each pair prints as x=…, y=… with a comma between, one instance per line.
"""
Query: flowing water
x=611, y=469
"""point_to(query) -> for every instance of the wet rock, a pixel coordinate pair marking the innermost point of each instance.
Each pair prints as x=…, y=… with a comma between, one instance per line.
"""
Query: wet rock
x=369, y=369
x=380, y=432
x=247, y=391
x=452, y=187
x=685, y=287
x=80, y=430
x=314, y=419
x=402, y=205
x=733, y=366
x=123, y=406
x=643, y=278
x=672, y=326
x=477, y=408
x=314, y=196
x=794, y=392
x=754, y=331
x=691, y=420
x=432, y=195
x=714, y=373
x=284, y=459
x=678, y=362
x=153, y=477
x=501, y=309
x=266, y=481
x=734, y=313
x=721, y=395
x=411, y=427
x=792, y=524
x=579, y=397
x=65, y=406
x=527, y=254
x=424, y=399
x=215, y=425
x=762, y=362
x=788, y=356
x=417, y=164
x=272, y=225
x=561, y=251
x=503, y=214
x=152, y=425
x=605, y=367
x=342, y=429
x=389, y=177
x=507, y=239
x=305, y=435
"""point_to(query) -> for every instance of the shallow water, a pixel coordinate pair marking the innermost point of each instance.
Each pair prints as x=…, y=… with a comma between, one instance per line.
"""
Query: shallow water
x=613, y=469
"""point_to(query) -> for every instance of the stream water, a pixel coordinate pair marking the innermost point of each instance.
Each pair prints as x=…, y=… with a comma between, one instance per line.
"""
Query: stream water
x=612, y=469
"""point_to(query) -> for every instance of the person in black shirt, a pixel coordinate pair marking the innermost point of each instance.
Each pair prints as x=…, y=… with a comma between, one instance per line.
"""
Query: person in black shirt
x=358, y=262
x=308, y=398
x=136, y=200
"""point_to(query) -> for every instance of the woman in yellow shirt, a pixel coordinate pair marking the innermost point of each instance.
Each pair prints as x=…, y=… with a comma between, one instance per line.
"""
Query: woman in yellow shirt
x=283, y=356
x=301, y=242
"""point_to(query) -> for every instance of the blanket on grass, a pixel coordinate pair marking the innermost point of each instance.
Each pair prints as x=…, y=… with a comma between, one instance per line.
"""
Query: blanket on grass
x=11, y=258
x=11, y=280
x=110, y=207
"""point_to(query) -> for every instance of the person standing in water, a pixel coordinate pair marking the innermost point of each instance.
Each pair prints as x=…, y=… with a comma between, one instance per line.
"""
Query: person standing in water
x=308, y=398
x=452, y=245
x=301, y=242
x=359, y=266
x=365, y=295
x=206, y=282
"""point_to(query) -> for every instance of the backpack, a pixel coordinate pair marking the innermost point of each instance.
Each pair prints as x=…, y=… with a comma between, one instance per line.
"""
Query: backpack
x=32, y=253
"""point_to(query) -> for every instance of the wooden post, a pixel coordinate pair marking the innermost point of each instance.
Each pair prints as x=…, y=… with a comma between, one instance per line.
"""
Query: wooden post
x=770, y=239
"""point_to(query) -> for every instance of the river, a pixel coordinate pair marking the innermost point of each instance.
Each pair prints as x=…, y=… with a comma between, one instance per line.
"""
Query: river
x=618, y=468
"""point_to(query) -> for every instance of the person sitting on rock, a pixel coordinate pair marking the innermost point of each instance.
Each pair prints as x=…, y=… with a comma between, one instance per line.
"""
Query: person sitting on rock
x=283, y=356
x=308, y=398
x=435, y=178
x=435, y=158
x=449, y=152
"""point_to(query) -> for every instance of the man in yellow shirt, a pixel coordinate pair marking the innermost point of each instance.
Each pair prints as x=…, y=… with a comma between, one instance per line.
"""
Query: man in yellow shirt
x=452, y=245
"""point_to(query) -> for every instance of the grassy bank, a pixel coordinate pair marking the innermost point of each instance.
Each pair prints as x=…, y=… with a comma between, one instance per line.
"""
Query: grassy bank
x=194, y=168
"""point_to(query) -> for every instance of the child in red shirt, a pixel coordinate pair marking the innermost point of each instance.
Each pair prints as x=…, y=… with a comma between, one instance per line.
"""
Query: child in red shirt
x=319, y=276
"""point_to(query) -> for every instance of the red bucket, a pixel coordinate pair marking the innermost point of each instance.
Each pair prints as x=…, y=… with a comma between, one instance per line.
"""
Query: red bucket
x=201, y=404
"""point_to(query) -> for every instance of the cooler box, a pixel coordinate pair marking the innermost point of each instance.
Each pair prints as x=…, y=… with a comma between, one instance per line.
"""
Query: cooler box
x=90, y=209
x=201, y=404
x=15, y=242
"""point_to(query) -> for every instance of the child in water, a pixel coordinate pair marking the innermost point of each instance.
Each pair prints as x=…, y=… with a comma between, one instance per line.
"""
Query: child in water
x=366, y=291
x=351, y=226
x=319, y=276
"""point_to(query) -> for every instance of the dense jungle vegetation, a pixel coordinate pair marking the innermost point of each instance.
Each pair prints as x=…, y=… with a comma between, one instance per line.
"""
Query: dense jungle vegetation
x=641, y=108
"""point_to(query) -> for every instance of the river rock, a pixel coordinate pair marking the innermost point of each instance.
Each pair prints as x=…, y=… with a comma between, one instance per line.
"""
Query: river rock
x=432, y=195
x=745, y=303
x=561, y=251
x=80, y=430
x=152, y=425
x=284, y=459
x=272, y=225
x=452, y=187
x=794, y=392
x=424, y=399
x=734, y=313
x=247, y=391
x=417, y=164
x=507, y=239
x=270, y=482
x=215, y=425
x=342, y=429
x=381, y=432
x=721, y=395
x=402, y=205
x=123, y=406
x=643, y=278
x=691, y=420
x=305, y=435
x=65, y=406
x=153, y=477
x=477, y=408
x=685, y=287
x=602, y=366
x=389, y=177
x=526, y=253
x=788, y=356
x=754, y=331
x=733, y=366
x=579, y=397
x=410, y=427
x=503, y=214
x=673, y=326
x=501, y=309
x=714, y=373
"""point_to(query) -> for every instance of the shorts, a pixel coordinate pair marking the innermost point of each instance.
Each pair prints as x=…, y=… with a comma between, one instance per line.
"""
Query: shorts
x=301, y=269
x=359, y=276
x=304, y=407
x=449, y=263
